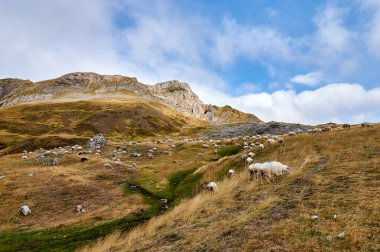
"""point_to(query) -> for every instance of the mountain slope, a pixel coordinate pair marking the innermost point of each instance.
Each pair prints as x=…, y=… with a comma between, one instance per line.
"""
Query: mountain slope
x=34, y=125
x=85, y=86
x=329, y=175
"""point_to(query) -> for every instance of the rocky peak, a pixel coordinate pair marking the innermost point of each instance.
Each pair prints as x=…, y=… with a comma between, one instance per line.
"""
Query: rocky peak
x=178, y=95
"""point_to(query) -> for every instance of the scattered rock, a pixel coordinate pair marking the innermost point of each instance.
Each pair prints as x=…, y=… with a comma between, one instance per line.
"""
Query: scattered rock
x=25, y=210
x=341, y=235
x=98, y=141
x=314, y=217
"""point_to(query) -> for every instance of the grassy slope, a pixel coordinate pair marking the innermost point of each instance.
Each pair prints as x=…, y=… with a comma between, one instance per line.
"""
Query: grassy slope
x=53, y=193
x=332, y=173
x=34, y=125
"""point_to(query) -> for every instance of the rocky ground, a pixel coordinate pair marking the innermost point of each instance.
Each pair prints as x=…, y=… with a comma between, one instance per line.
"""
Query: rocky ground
x=243, y=129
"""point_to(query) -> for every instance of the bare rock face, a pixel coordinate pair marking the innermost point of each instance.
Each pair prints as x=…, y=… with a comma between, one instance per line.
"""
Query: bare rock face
x=178, y=95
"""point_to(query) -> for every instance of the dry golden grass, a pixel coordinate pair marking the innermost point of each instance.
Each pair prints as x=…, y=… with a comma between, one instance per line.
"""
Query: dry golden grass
x=333, y=173
x=53, y=192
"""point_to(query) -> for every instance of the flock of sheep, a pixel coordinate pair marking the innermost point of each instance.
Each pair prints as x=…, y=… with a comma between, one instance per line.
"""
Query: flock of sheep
x=272, y=169
x=263, y=171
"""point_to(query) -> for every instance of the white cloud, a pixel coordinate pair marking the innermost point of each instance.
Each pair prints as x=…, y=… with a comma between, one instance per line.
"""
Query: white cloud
x=43, y=39
x=254, y=42
x=372, y=33
x=332, y=34
x=310, y=79
x=337, y=102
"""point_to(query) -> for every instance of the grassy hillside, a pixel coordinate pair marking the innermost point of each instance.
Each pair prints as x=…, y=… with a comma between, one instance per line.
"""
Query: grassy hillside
x=33, y=125
x=333, y=173
x=230, y=115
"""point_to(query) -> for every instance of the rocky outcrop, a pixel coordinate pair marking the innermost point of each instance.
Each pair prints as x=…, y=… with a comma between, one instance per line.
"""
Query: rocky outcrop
x=178, y=95
x=98, y=141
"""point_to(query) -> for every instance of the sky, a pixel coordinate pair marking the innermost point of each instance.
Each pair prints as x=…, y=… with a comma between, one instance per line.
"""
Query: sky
x=285, y=60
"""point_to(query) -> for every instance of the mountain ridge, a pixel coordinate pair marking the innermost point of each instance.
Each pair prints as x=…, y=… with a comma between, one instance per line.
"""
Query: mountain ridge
x=174, y=94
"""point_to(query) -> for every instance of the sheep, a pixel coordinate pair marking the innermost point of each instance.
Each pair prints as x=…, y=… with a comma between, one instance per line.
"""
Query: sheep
x=280, y=140
x=326, y=129
x=231, y=172
x=107, y=165
x=251, y=154
x=150, y=156
x=346, y=126
x=25, y=210
x=83, y=160
x=118, y=163
x=205, y=146
x=261, y=146
x=291, y=133
x=24, y=157
x=212, y=186
x=79, y=208
x=271, y=141
x=367, y=125
x=267, y=169
x=249, y=160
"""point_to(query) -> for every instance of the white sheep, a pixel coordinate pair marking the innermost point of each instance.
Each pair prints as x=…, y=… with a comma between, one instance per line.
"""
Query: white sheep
x=267, y=170
x=118, y=163
x=205, y=146
x=249, y=160
x=271, y=141
x=251, y=154
x=25, y=210
x=107, y=165
x=24, y=157
x=212, y=186
x=231, y=172
x=261, y=146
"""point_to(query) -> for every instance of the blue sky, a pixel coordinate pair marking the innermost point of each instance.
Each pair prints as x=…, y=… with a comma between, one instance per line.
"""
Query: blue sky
x=286, y=60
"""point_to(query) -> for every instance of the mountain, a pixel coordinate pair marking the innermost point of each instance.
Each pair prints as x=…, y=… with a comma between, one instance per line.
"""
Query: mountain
x=86, y=86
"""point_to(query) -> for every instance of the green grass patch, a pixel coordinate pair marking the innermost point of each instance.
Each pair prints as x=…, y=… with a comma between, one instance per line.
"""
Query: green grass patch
x=229, y=151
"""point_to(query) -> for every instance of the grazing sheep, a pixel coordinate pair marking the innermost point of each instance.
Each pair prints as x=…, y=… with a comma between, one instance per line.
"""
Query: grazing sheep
x=267, y=169
x=249, y=160
x=83, y=160
x=231, y=172
x=346, y=126
x=271, y=141
x=24, y=157
x=79, y=208
x=367, y=125
x=150, y=156
x=118, y=163
x=291, y=133
x=205, y=146
x=280, y=140
x=261, y=146
x=25, y=210
x=211, y=186
x=107, y=165
x=251, y=154
x=326, y=129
